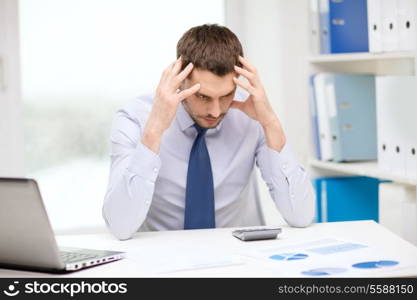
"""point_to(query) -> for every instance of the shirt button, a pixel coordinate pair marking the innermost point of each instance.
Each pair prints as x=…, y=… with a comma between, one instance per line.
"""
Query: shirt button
x=284, y=166
x=155, y=170
x=292, y=195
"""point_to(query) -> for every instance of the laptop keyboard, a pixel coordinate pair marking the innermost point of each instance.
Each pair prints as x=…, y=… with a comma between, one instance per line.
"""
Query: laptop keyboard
x=70, y=257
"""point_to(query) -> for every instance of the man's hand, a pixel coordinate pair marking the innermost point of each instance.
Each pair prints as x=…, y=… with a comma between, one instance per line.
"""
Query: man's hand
x=167, y=99
x=257, y=105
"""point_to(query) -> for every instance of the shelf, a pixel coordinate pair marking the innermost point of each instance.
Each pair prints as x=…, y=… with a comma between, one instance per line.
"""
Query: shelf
x=368, y=168
x=350, y=57
x=388, y=63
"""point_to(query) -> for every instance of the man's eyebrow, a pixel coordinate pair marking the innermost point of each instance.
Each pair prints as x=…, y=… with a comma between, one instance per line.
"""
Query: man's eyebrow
x=228, y=94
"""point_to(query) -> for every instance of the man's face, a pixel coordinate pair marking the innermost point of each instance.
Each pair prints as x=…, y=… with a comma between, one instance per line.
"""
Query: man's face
x=209, y=105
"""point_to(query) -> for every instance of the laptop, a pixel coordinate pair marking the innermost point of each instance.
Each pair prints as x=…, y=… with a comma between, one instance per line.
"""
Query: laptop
x=27, y=240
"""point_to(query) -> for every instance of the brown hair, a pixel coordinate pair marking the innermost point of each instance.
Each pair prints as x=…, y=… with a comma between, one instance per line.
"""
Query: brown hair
x=210, y=47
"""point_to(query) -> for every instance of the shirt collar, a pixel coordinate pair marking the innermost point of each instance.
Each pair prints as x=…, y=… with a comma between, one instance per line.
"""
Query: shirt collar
x=185, y=121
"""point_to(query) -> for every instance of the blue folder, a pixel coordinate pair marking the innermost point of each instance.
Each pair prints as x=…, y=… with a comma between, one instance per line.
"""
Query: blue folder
x=353, y=123
x=346, y=198
x=348, y=26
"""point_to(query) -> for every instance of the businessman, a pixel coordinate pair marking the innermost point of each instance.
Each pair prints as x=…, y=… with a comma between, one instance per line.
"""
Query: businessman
x=181, y=158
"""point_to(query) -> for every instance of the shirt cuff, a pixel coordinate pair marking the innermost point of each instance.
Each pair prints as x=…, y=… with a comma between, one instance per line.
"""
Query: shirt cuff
x=145, y=163
x=284, y=160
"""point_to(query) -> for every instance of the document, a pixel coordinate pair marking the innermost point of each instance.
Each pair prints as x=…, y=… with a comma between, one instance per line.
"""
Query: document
x=178, y=258
x=330, y=257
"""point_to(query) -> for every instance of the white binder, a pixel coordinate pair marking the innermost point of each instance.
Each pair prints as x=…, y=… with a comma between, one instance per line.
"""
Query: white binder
x=409, y=215
x=314, y=21
x=374, y=25
x=389, y=18
x=406, y=109
x=411, y=160
x=389, y=208
x=320, y=85
x=406, y=14
x=398, y=210
x=396, y=110
x=384, y=94
x=409, y=134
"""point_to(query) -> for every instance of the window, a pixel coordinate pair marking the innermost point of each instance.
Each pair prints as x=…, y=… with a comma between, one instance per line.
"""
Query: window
x=81, y=61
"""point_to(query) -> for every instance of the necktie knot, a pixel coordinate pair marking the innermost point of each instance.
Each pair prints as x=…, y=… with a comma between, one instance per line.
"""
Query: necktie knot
x=200, y=130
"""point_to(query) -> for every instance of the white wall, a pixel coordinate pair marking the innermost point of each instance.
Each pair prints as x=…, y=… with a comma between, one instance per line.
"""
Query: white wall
x=274, y=34
x=11, y=133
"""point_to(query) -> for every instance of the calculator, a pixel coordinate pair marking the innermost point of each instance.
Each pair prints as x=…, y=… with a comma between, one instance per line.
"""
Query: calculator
x=254, y=234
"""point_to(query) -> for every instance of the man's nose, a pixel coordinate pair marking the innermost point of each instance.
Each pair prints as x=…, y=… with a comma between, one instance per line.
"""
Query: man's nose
x=214, y=109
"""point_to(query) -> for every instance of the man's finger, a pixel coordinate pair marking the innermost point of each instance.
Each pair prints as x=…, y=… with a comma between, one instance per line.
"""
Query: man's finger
x=245, y=85
x=184, y=73
x=177, y=67
x=166, y=72
x=247, y=64
x=249, y=76
x=188, y=92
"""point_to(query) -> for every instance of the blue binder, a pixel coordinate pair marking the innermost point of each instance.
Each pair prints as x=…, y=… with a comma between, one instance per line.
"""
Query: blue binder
x=346, y=198
x=313, y=118
x=353, y=122
x=348, y=26
x=324, y=24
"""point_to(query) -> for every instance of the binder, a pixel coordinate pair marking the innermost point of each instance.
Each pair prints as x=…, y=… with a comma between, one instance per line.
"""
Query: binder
x=320, y=84
x=352, y=116
x=384, y=132
x=314, y=120
x=408, y=91
x=324, y=24
x=411, y=159
x=390, y=32
x=346, y=198
x=314, y=20
x=409, y=216
x=398, y=210
x=397, y=106
x=406, y=11
x=389, y=209
x=374, y=25
x=348, y=26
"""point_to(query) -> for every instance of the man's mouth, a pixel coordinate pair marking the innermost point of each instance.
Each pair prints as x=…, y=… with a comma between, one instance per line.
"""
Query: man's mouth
x=211, y=120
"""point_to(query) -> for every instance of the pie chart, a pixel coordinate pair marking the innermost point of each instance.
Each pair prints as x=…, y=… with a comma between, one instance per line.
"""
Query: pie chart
x=289, y=256
x=323, y=271
x=375, y=264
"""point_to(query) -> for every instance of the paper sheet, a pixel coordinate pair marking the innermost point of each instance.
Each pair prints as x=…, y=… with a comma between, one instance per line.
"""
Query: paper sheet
x=328, y=257
x=183, y=259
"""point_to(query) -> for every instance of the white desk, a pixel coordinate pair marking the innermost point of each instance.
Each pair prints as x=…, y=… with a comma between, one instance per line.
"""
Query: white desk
x=147, y=248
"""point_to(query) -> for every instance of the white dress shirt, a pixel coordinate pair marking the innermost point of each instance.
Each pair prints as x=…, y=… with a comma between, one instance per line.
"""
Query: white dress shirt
x=146, y=191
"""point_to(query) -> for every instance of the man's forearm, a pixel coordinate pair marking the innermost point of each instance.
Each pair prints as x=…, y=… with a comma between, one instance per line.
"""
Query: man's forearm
x=151, y=137
x=274, y=134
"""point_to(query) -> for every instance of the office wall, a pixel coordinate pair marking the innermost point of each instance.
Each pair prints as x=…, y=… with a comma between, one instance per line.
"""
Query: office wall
x=11, y=133
x=275, y=39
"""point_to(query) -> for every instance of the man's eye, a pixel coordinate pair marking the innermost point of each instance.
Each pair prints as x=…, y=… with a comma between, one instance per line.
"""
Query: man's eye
x=203, y=97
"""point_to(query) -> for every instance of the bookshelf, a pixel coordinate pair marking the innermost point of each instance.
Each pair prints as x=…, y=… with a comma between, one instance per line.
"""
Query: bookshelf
x=402, y=63
x=363, y=56
x=367, y=168
x=381, y=23
x=389, y=63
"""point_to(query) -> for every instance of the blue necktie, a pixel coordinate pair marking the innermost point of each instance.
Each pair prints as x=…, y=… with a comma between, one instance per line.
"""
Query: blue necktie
x=199, y=197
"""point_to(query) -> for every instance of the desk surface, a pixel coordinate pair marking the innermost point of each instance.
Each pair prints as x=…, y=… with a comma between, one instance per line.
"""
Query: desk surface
x=148, y=251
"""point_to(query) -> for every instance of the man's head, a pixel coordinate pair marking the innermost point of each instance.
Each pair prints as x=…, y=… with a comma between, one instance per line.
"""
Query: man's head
x=214, y=51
